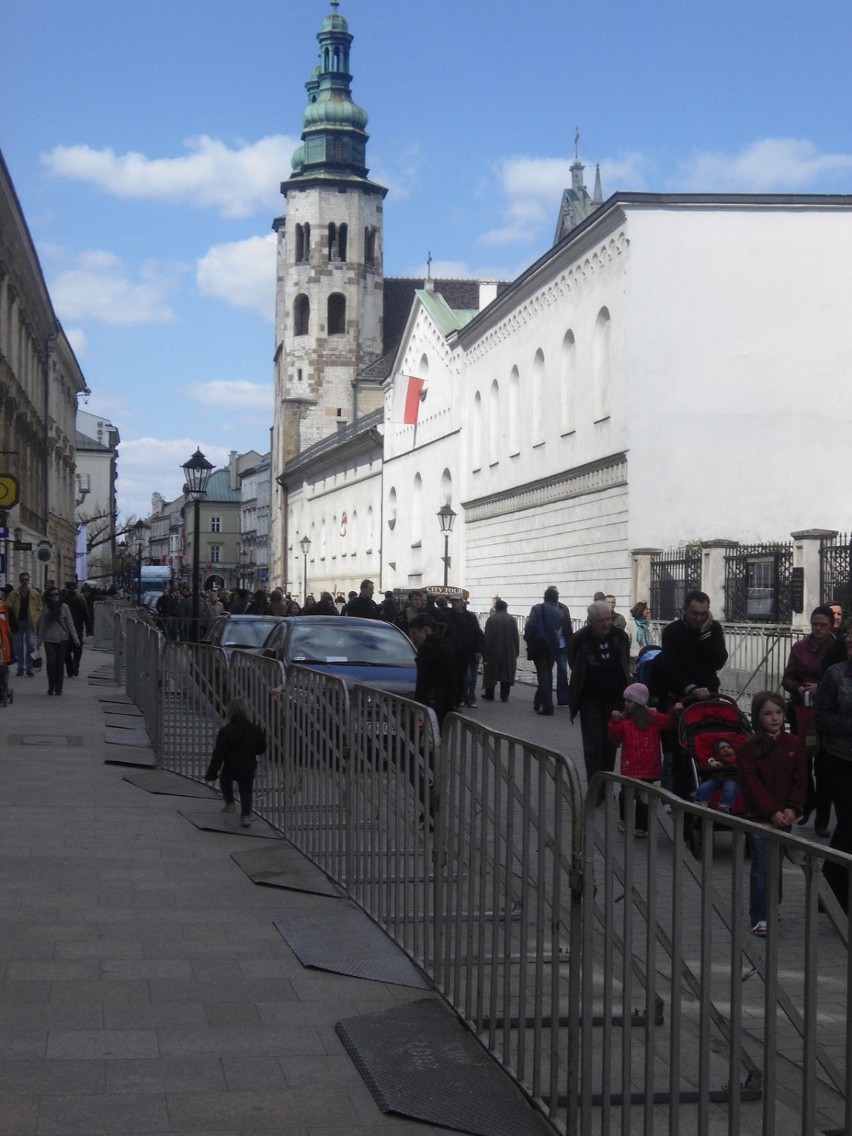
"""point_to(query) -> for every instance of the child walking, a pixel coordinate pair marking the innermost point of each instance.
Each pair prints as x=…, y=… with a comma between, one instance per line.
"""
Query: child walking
x=774, y=780
x=723, y=763
x=235, y=753
x=637, y=730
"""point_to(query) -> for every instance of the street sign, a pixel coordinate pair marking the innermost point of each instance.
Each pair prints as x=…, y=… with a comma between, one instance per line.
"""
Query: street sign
x=8, y=491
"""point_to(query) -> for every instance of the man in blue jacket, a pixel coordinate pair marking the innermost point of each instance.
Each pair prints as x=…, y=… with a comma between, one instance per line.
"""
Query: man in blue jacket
x=542, y=631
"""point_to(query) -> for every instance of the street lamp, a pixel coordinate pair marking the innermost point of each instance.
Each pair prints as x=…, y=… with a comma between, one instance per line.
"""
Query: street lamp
x=197, y=473
x=305, y=544
x=243, y=562
x=140, y=528
x=446, y=519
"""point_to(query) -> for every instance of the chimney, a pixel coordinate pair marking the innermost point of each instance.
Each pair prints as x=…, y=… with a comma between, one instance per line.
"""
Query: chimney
x=487, y=293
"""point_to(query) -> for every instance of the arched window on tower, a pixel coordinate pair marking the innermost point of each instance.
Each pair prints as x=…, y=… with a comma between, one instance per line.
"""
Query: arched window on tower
x=332, y=241
x=336, y=314
x=303, y=243
x=370, y=245
x=342, y=234
x=301, y=315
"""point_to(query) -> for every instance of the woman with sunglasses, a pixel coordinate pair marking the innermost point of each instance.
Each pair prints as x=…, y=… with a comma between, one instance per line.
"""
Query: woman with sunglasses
x=55, y=630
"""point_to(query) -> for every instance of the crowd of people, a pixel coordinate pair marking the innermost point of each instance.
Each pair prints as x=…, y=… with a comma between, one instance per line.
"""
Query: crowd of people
x=55, y=622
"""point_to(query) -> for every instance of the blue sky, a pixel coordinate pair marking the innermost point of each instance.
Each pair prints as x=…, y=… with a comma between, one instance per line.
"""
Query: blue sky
x=147, y=140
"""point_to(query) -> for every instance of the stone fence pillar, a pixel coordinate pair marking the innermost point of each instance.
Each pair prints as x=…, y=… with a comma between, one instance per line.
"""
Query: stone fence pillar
x=806, y=548
x=713, y=574
x=640, y=575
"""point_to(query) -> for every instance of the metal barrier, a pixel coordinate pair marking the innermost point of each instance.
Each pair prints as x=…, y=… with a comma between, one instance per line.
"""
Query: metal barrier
x=393, y=817
x=688, y=1021
x=614, y=977
x=194, y=692
x=508, y=891
x=141, y=647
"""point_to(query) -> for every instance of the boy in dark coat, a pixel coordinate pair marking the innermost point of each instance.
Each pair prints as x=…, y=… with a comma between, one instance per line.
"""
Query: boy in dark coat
x=235, y=753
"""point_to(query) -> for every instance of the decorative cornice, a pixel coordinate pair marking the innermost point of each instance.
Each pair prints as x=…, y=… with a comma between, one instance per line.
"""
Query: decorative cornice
x=569, y=280
x=594, y=477
x=814, y=534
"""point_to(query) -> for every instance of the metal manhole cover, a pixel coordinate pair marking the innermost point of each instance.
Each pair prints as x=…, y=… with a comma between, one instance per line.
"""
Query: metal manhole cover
x=46, y=741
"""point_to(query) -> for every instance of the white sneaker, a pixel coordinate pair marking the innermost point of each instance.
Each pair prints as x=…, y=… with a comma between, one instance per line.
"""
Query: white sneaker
x=759, y=929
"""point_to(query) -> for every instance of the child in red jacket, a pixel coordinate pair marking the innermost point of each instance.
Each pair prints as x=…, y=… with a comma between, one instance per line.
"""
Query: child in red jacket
x=637, y=731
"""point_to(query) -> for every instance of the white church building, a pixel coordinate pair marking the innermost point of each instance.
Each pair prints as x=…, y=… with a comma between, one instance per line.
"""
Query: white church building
x=653, y=404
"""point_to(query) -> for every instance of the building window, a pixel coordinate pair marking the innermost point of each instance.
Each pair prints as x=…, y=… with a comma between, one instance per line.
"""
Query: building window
x=336, y=314
x=568, y=383
x=215, y=524
x=337, y=241
x=215, y=553
x=301, y=315
x=303, y=243
x=370, y=245
x=602, y=365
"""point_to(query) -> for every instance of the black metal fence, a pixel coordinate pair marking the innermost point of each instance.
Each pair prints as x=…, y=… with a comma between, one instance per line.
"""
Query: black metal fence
x=673, y=574
x=758, y=583
x=835, y=570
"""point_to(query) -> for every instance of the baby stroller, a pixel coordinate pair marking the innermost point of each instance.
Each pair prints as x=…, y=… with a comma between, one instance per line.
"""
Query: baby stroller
x=702, y=726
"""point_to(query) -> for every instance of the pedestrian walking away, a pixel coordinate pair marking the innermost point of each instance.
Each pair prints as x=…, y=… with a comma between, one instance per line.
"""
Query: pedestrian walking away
x=234, y=759
x=83, y=625
x=542, y=632
x=501, y=647
x=56, y=631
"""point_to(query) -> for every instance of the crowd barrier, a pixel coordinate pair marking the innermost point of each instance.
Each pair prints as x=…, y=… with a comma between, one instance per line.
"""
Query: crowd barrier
x=613, y=977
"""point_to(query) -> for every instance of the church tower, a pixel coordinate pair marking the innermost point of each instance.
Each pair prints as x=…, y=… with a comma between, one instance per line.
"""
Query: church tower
x=329, y=267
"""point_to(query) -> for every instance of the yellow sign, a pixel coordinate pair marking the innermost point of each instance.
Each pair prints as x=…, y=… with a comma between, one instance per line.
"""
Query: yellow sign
x=8, y=491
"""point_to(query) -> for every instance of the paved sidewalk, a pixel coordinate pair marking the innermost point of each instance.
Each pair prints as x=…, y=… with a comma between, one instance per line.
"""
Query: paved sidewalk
x=143, y=986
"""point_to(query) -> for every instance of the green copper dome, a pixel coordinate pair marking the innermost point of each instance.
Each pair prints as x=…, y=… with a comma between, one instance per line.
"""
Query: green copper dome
x=332, y=108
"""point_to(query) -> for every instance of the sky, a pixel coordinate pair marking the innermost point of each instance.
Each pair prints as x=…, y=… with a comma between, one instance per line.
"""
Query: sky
x=147, y=140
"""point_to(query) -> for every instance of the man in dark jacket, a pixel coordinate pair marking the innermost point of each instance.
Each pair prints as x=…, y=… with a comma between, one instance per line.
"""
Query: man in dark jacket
x=542, y=632
x=83, y=625
x=464, y=634
x=693, y=653
x=600, y=670
x=687, y=670
x=363, y=604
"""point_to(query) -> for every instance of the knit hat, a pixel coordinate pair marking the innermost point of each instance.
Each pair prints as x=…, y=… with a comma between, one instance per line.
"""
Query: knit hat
x=637, y=692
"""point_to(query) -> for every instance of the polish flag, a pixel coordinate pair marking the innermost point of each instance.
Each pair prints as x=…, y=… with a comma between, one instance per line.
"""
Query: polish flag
x=408, y=393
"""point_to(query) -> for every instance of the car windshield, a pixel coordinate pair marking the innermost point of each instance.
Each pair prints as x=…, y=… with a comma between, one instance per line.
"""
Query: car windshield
x=377, y=646
x=246, y=632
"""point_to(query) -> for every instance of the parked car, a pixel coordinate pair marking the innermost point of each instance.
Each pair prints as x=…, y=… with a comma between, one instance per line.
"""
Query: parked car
x=356, y=650
x=241, y=632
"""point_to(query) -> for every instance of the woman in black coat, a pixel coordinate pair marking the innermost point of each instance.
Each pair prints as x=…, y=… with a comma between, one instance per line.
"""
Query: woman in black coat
x=235, y=753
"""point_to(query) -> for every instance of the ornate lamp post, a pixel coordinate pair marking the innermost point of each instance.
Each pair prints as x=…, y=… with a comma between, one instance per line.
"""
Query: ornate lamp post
x=140, y=528
x=197, y=472
x=243, y=562
x=305, y=544
x=446, y=519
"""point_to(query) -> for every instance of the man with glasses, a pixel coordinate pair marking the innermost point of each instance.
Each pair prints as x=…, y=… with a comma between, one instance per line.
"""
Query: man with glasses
x=26, y=603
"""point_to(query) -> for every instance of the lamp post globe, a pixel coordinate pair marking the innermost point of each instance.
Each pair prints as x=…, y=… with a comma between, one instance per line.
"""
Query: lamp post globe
x=305, y=544
x=446, y=519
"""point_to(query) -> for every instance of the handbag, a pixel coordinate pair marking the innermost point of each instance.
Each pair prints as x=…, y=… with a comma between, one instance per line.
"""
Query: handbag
x=37, y=662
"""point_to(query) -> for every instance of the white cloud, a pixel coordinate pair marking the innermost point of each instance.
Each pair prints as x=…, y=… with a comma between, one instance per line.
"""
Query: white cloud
x=236, y=181
x=766, y=166
x=99, y=288
x=251, y=404
x=242, y=273
x=77, y=338
x=148, y=465
x=401, y=175
x=533, y=189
